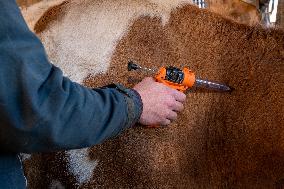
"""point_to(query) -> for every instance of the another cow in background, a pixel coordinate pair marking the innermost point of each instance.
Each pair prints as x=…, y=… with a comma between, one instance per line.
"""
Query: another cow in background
x=250, y=12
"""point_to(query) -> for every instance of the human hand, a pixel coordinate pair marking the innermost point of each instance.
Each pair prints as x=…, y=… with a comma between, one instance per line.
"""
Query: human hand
x=160, y=102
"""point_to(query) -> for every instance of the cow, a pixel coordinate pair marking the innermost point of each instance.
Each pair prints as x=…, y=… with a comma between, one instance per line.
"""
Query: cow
x=220, y=140
x=251, y=12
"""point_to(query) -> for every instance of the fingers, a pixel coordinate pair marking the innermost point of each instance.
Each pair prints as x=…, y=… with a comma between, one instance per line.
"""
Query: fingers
x=165, y=122
x=179, y=96
x=172, y=115
x=177, y=106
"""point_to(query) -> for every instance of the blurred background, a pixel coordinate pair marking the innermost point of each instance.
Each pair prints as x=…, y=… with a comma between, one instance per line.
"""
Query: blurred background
x=267, y=12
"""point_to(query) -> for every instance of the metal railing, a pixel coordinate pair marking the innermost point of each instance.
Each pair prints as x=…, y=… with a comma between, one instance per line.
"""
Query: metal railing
x=200, y=3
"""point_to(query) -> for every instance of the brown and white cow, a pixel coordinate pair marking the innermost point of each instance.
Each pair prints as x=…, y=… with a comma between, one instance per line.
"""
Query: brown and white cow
x=220, y=140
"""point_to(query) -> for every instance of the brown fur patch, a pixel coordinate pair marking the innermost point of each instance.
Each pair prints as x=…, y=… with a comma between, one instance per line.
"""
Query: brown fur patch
x=44, y=169
x=26, y=3
x=52, y=14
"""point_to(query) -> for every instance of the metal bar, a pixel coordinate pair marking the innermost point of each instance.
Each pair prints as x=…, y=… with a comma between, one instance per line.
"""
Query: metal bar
x=200, y=3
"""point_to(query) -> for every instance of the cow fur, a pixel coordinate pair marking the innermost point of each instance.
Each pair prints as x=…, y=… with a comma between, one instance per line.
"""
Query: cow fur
x=33, y=13
x=238, y=10
x=220, y=140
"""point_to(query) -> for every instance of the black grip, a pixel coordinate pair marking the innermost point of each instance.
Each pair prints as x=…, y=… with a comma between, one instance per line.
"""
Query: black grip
x=132, y=66
x=174, y=75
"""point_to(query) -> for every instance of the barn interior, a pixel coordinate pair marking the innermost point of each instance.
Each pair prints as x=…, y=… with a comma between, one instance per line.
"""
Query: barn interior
x=221, y=140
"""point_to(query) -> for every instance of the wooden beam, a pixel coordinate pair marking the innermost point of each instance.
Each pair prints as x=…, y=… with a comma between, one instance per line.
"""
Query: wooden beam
x=280, y=14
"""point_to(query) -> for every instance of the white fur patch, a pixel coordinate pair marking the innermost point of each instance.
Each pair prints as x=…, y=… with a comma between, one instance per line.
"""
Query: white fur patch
x=83, y=41
x=25, y=157
x=80, y=165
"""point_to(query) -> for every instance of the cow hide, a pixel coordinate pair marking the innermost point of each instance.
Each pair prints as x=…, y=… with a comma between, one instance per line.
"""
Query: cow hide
x=239, y=10
x=220, y=140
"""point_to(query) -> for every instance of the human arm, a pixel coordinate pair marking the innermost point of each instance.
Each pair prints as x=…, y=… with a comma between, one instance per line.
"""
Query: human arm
x=41, y=110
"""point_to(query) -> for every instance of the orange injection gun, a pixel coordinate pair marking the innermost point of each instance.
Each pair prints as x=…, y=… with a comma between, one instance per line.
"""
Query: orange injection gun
x=180, y=79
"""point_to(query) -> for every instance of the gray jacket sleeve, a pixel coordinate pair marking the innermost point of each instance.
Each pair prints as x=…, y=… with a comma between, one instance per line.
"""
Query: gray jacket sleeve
x=40, y=109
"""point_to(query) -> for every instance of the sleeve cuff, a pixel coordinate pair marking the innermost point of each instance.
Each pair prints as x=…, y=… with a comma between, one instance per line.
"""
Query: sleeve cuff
x=133, y=101
x=135, y=107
